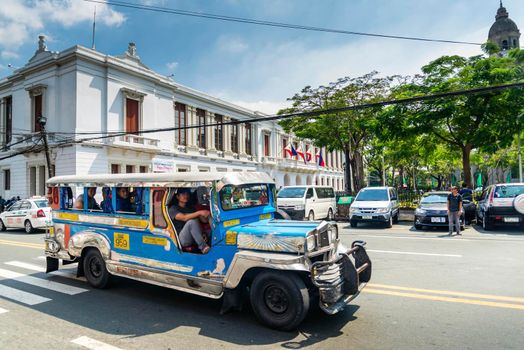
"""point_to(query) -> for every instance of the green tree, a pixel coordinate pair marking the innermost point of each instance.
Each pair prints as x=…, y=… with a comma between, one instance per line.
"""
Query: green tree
x=468, y=122
x=345, y=131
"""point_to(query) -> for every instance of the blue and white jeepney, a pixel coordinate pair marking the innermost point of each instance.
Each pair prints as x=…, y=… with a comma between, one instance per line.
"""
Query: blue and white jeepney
x=285, y=265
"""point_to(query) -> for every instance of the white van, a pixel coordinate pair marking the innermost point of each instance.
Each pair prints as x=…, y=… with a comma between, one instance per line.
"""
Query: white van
x=307, y=202
x=375, y=204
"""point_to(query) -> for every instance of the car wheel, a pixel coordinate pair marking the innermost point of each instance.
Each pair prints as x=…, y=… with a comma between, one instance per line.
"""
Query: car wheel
x=2, y=226
x=311, y=216
x=28, y=227
x=95, y=269
x=395, y=219
x=485, y=224
x=280, y=300
x=353, y=223
x=280, y=214
x=389, y=223
x=330, y=215
x=417, y=226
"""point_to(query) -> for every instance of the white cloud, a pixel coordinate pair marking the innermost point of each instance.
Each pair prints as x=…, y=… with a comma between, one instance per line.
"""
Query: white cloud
x=19, y=20
x=171, y=66
x=9, y=55
x=230, y=44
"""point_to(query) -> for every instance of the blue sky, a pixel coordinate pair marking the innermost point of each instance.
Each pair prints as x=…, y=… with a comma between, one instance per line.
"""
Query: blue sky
x=257, y=67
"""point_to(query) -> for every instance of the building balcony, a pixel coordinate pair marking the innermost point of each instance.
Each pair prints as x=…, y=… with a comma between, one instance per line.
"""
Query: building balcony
x=291, y=164
x=134, y=141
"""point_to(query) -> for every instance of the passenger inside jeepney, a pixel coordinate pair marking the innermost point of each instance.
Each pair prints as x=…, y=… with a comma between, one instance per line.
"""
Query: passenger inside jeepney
x=91, y=201
x=123, y=200
x=188, y=221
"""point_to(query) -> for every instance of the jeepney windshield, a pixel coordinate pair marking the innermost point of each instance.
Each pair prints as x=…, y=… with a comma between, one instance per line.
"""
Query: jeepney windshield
x=243, y=196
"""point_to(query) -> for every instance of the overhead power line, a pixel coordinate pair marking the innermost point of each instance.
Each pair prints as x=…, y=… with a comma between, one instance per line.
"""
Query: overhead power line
x=409, y=100
x=270, y=23
x=468, y=92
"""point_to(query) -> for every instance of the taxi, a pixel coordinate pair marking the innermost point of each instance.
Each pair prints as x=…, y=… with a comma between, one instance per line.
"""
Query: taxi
x=29, y=214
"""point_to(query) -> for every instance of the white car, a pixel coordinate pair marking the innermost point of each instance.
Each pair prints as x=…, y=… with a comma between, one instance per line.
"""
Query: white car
x=28, y=213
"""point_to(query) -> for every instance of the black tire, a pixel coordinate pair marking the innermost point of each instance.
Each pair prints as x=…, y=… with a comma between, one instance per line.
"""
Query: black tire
x=353, y=223
x=311, y=216
x=395, y=219
x=485, y=224
x=28, y=227
x=280, y=214
x=417, y=227
x=330, y=216
x=280, y=300
x=2, y=226
x=389, y=223
x=95, y=269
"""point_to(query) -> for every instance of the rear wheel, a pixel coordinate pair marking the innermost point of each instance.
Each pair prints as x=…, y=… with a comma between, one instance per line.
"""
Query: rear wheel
x=28, y=227
x=2, y=226
x=311, y=216
x=280, y=300
x=485, y=224
x=95, y=269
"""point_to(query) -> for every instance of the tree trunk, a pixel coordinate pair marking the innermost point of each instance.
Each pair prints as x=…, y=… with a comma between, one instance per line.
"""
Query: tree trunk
x=466, y=164
x=347, y=172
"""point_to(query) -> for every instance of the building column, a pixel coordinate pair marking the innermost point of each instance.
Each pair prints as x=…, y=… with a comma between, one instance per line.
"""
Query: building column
x=227, y=136
x=192, y=134
x=242, y=139
x=210, y=132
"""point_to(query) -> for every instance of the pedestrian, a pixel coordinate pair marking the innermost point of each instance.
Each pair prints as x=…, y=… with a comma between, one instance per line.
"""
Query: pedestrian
x=454, y=210
x=466, y=192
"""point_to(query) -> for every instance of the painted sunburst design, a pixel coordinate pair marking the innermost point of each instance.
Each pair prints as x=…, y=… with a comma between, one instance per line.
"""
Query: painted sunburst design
x=269, y=242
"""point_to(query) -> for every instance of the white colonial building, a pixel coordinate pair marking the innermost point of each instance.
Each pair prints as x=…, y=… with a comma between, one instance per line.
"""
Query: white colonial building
x=81, y=91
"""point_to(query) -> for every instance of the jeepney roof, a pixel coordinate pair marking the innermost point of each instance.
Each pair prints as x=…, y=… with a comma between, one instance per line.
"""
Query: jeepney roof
x=179, y=179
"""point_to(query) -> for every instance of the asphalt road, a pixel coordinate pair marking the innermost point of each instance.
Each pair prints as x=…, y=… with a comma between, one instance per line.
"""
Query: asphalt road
x=428, y=291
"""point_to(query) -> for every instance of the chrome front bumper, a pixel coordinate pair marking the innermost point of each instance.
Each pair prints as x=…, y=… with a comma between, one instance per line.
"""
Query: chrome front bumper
x=340, y=280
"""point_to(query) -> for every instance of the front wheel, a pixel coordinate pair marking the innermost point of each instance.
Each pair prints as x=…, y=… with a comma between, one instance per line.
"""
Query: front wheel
x=311, y=216
x=353, y=223
x=280, y=300
x=330, y=215
x=2, y=226
x=28, y=227
x=95, y=269
x=389, y=223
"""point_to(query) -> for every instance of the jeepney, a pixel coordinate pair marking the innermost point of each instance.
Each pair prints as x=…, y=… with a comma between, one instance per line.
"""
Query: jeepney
x=281, y=266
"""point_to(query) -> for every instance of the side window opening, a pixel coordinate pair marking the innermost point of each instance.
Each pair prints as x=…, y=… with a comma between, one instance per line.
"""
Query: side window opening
x=66, y=198
x=158, y=215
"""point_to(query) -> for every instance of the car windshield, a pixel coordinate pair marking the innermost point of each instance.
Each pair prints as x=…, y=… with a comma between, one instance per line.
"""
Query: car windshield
x=434, y=198
x=372, y=195
x=509, y=191
x=42, y=203
x=244, y=196
x=292, y=192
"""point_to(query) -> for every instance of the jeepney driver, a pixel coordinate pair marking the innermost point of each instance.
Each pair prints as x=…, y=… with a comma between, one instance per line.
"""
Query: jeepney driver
x=187, y=221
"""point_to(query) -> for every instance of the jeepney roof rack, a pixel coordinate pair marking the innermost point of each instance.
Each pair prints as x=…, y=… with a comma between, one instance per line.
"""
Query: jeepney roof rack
x=179, y=179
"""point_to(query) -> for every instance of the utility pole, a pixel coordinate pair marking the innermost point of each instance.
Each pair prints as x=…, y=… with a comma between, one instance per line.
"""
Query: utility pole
x=520, y=158
x=42, y=121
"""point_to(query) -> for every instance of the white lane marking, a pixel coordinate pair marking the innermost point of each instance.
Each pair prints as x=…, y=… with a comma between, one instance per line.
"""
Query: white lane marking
x=66, y=272
x=93, y=344
x=3, y=311
x=21, y=296
x=43, y=283
x=443, y=239
x=40, y=258
x=413, y=253
x=26, y=266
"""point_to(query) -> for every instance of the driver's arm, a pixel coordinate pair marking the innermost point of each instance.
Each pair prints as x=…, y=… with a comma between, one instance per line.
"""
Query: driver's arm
x=191, y=216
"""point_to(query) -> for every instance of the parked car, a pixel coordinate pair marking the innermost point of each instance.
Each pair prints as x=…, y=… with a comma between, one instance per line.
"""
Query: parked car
x=30, y=214
x=307, y=202
x=501, y=204
x=375, y=204
x=432, y=211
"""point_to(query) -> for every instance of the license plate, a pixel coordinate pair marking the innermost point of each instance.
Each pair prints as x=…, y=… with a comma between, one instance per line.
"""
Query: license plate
x=438, y=220
x=367, y=217
x=511, y=219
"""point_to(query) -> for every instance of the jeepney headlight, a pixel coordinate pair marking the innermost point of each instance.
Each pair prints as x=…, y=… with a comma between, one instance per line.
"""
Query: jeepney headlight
x=333, y=233
x=311, y=243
